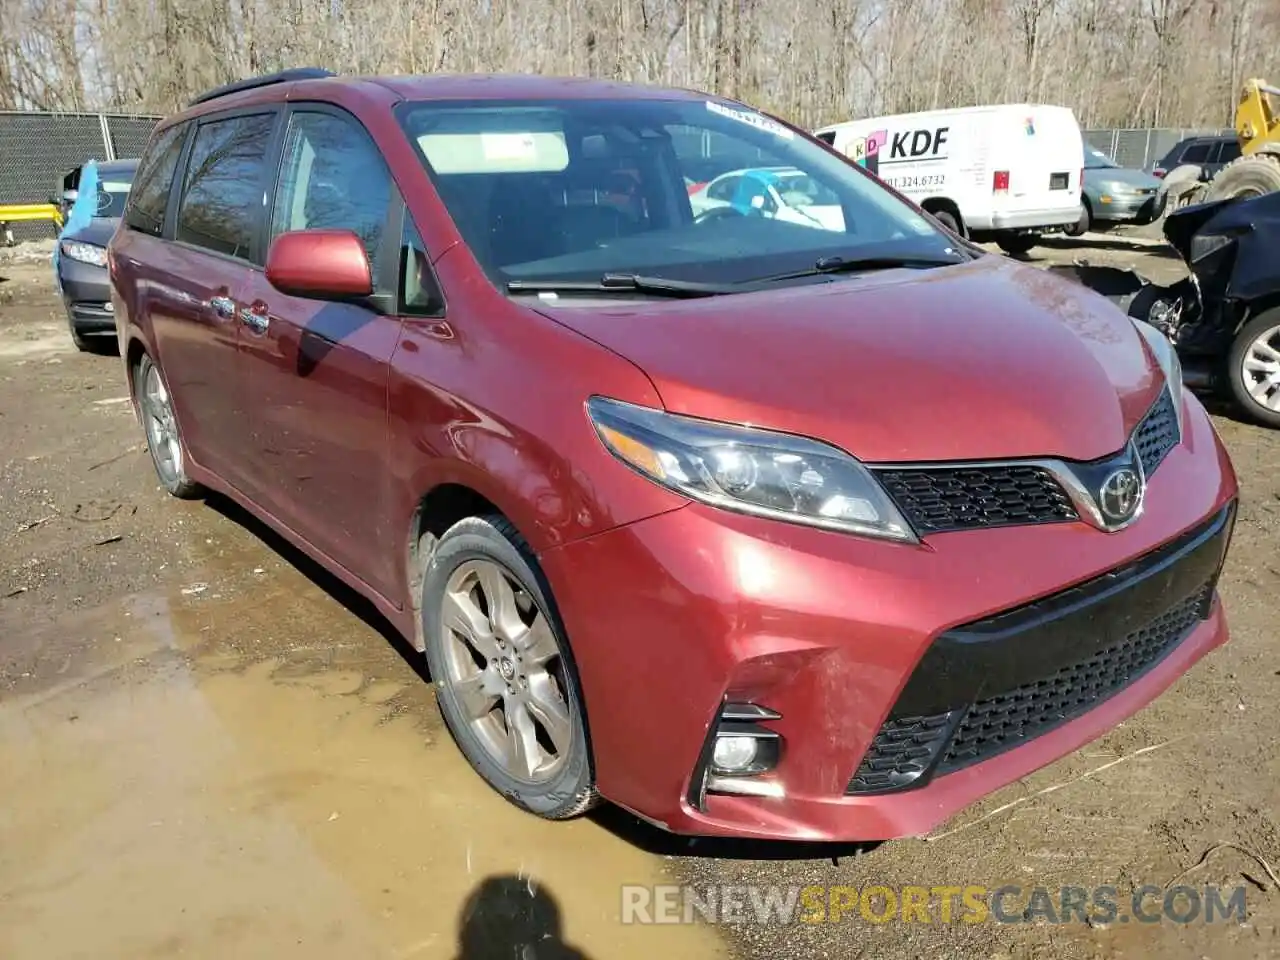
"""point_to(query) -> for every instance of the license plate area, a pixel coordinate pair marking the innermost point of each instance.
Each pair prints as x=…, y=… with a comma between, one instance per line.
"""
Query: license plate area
x=1058, y=181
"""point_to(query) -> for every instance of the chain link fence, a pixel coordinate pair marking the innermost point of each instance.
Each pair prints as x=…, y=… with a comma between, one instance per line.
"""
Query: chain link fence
x=1142, y=149
x=38, y=149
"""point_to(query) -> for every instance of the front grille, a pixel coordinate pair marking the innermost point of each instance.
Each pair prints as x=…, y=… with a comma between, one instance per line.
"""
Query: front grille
x=994, y=684
x=937, y=499
x=1157, y=434
x=940, y=498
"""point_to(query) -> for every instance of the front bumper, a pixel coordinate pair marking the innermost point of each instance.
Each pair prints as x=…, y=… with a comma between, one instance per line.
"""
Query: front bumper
x=1125, y=208
x=672, y=616
x=86, y=296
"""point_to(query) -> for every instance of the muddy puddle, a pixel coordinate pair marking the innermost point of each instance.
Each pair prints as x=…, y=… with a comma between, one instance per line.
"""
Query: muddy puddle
x=241, y=767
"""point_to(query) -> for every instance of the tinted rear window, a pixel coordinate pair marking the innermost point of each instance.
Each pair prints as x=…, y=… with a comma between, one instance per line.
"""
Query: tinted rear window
x=221, y=204
x=1197, y=152
x=150, y=194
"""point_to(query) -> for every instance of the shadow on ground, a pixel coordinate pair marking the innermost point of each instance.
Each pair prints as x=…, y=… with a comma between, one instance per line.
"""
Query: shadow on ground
x=512, y=918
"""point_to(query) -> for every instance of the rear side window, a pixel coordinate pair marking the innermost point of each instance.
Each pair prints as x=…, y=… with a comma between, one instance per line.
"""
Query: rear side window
x=1230, y=150
x=150, y=195
x=829, y=138
x=1198, y=152
x=332, y=176
x=222, y=194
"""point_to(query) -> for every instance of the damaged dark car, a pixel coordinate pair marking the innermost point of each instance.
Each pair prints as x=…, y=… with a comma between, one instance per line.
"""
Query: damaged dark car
x=1224, y=319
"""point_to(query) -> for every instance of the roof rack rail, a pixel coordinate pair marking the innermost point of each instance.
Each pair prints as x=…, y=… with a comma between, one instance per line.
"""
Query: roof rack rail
x=266, y=80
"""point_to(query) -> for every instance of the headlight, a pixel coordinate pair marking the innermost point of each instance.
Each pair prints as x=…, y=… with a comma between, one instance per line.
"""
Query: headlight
x=85, y=252
x=1167, y=357
x=759, y=472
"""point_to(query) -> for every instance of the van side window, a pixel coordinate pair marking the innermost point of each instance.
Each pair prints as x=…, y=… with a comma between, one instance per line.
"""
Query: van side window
x=829, y=138
x=332, y=176
x=222, y=194
x=149, y=197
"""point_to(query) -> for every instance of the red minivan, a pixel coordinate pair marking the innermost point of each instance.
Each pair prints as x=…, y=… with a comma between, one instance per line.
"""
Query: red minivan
x=750, y=525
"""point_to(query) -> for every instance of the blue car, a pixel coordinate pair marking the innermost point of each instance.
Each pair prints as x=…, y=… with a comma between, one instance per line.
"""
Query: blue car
x=1112, y=195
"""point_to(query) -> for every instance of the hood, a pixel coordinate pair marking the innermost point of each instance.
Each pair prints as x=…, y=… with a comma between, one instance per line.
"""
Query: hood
x=96, y=231
x=1253, y=227
x=988, y=359
x=1138, y=179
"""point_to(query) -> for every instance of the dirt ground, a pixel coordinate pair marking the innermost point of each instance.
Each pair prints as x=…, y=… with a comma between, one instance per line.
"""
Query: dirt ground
x=208, y=748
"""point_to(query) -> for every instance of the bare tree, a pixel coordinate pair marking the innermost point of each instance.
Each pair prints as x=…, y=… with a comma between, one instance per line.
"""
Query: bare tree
x=1115, y=62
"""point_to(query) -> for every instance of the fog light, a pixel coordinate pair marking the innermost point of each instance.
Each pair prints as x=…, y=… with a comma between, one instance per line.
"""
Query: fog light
x=734, y=754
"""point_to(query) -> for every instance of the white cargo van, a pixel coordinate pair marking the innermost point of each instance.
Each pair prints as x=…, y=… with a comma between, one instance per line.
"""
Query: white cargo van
x=1007, y=173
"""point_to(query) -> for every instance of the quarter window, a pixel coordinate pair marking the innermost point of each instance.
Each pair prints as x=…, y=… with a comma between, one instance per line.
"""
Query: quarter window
x=332, y=177
x=222, y=194
x=150, y=195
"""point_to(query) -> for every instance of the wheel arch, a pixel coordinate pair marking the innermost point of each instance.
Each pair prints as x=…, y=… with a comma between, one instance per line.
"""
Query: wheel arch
x=948, y=206
x=451, y=499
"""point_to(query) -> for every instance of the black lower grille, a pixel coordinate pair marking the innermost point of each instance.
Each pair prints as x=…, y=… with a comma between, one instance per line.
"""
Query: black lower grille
x=992, y=685
x=1157, y=434
x=961, y=498
x=993, y=725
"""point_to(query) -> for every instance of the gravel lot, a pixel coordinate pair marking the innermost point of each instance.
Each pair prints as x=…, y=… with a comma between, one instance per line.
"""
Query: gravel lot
x=209, y=748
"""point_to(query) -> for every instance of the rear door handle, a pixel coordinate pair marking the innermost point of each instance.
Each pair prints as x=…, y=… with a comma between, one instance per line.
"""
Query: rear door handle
x=224, y=307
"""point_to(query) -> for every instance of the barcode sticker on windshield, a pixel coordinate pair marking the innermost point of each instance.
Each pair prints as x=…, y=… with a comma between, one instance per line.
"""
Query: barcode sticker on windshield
x=508, y=146
x=756, y=120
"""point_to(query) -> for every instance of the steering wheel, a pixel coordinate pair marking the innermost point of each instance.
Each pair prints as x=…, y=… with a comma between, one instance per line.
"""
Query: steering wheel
x=717, y=213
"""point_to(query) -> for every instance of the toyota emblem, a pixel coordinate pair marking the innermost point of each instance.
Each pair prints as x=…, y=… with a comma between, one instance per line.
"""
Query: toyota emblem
x=1120, y=495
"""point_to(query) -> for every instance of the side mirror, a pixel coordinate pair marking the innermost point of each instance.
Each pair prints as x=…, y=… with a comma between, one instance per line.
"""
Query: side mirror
x=320, y=265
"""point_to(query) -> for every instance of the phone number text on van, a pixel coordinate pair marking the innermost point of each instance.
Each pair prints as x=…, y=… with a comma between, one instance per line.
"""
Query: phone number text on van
x=925, y=182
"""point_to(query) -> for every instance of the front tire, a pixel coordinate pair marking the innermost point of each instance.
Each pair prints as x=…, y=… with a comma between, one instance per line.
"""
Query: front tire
x=1253, y=369
x=505, y=681
x=164, y=442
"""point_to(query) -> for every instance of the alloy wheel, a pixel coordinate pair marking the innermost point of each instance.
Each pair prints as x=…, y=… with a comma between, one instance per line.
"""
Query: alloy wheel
x=503, y=667
x=1260, y=369
x=162, y=429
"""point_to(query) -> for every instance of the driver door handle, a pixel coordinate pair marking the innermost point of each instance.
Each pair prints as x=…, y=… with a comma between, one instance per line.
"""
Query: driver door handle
x=224, y=307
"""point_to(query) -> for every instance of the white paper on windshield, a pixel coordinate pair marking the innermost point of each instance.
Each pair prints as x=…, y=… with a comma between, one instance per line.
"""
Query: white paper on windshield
x=759, y=121
x=114, y=186
x=532, y=151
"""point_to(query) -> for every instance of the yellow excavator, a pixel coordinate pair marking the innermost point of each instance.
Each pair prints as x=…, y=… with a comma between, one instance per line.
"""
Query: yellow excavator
x=1257, y=171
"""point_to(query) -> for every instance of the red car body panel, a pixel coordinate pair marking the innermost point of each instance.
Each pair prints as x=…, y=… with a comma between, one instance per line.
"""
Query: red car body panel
x=337, y=426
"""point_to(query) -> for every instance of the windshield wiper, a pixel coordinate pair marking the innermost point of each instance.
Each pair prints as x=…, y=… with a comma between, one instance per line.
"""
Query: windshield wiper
x=853, y=264
x=610, y=282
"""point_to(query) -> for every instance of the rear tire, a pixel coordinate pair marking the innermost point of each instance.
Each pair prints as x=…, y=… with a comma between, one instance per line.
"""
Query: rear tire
x=1253, y=369
x=1081, y=226
x=504, y=677
x=164, y=442
x=1251, y=176
x=1017, y=244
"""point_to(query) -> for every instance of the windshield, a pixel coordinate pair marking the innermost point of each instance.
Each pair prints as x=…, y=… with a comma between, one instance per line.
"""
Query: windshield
x=113, y=190
x=1095, y=159
x=691, y=190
